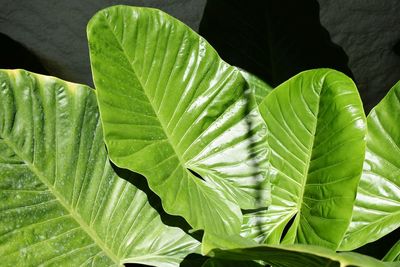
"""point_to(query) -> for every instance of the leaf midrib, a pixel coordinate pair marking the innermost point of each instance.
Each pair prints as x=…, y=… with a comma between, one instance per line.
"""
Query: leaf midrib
x=181, y=160
x=307, y=165
x=97, y=240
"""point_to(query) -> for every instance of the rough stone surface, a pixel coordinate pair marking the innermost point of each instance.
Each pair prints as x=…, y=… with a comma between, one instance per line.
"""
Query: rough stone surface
x=56, y=30
x=367, y=30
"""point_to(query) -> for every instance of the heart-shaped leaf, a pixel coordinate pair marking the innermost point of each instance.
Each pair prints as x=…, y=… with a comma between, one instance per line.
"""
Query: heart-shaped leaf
x=377, y=208
x=316, y=133
x=173, y=110
x=61, y=201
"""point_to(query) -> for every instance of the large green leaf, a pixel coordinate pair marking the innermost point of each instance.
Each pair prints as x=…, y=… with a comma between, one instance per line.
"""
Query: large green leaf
x=234, y=248
x=394, y=253
x=316, y=133
x=377, y=208
x=170, y=106
x=61, y=201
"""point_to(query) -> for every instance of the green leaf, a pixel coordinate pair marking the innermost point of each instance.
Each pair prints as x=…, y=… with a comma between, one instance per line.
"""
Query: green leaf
x=260, y=88
x=170, y=107
x=377, y=208
x=316, y=133
x=394, y=253
x=235, y=249
x=61, y=201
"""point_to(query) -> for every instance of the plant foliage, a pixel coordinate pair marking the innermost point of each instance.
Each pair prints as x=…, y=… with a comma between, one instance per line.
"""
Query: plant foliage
x=170, y=106
x=61, y=201
x=282, y=176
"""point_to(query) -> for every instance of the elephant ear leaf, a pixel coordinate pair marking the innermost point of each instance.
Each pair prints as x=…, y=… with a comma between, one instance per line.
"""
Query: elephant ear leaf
x=174, y=112
x=316, y=133
x=377, y=208
x=61, y=201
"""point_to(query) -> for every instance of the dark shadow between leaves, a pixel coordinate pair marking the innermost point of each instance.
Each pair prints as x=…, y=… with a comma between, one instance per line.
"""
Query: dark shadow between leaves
x=287, y=227
x=380, y=247
x=136, y=265
x=273, y=39
x=193, y=260
x=196, y=174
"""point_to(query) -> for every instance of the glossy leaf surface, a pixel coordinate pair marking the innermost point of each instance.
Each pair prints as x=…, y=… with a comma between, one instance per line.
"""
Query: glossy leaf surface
x=240, y=250
x=62, y=204
x=377, y=208
x=316, y=133
x=172, y=108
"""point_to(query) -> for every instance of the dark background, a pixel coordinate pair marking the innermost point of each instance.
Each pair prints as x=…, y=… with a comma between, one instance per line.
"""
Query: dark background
x=274, y=39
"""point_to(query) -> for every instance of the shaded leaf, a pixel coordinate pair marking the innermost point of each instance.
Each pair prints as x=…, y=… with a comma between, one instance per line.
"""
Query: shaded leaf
x=61, y=201
x=377, y=208
x=174, y=112
x=237, y=249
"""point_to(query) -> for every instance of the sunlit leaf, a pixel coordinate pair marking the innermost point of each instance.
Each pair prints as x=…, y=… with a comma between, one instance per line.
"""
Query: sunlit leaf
x=377, y=208
x=172, y=110
x=61, y=203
